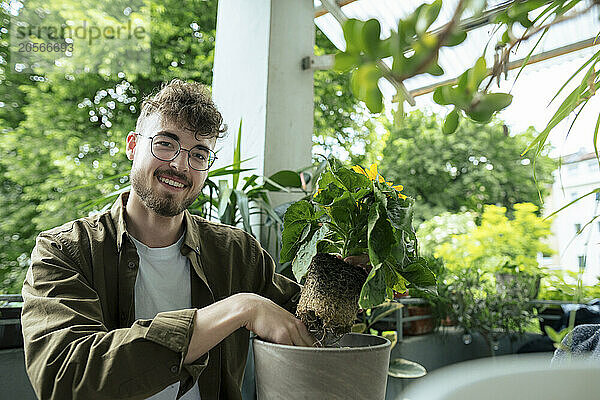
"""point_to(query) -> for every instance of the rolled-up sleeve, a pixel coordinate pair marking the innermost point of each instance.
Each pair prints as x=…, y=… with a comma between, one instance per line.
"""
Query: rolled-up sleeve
x=69, y=352
x=274, y=286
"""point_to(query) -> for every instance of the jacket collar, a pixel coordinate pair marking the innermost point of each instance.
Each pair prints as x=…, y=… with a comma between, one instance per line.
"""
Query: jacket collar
x=117, y=212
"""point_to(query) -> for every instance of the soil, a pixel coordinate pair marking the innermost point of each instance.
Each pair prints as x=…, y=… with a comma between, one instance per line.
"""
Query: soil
x=329, y=298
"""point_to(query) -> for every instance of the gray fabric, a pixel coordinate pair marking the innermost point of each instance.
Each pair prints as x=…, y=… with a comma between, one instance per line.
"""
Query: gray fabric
x=582, y=342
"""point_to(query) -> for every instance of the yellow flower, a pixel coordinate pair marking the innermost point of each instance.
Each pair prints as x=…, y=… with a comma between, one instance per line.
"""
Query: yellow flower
x=370, y=173
x=373, y=175
x=317, y=192
x=358, y=169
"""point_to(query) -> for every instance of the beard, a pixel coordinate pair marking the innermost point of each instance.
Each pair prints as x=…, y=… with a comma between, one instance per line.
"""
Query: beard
x=162, y=204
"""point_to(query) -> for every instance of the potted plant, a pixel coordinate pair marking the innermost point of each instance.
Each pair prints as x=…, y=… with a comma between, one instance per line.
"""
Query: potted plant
x=478, y=306
x=528, y=277
x=353, y=212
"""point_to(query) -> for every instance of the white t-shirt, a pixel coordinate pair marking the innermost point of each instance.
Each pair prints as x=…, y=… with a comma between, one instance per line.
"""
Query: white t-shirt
x=163, y=284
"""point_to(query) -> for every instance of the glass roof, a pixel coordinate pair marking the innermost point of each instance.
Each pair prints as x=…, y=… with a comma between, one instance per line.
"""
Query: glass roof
x=455, y=60
x=536, y=86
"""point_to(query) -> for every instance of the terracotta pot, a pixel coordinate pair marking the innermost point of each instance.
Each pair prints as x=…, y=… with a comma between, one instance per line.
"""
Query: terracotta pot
x=420, y=326
x=356, y=370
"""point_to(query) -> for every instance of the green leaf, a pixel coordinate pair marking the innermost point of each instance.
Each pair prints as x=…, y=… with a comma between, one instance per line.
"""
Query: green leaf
x=418, y=274
x=327, y=195
x=345, y=62
x=427, y=15
x=300, y=211
x=242, y=203
x=525, y=21
x=306, y=252
x=370, y=37
x=373, y=291
x=568, y=105
x=435, y=70
x=237, y=156
x=477, y=74
x=364, y=86
x=352, y=180
x=595, y=57
x=341, y=209
x=359, y=328
x=455, y=39
x=392, y=336
x=487, y=105
x=596, y=138
x=297, y=218
x=382, y=311
x=374, y=100
x=462, y=81
x=597, y=190
x=442, y=95
x=284, y=178
x=400, y=212
x=224, y=194
x=451, y=122
x=380, y=236
x=352, y=30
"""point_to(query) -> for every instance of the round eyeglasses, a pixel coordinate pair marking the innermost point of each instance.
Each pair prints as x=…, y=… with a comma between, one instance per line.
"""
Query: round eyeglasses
x=167, y=148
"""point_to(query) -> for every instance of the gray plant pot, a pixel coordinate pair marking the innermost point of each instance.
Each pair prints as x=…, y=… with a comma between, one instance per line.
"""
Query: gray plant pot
x=356, y=370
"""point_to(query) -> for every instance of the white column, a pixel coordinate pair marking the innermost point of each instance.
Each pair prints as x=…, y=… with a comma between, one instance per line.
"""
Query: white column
x=258, y=78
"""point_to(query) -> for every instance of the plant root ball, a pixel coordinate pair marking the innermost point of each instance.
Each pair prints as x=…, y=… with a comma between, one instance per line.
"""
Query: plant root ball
x=329, y=298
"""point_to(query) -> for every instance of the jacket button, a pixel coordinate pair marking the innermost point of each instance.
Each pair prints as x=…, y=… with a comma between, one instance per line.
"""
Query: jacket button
x=174, y=368
x=131, y=265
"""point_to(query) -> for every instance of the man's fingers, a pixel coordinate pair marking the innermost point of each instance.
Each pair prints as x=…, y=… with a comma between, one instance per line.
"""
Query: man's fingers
x=360, y=259
x=306, y=339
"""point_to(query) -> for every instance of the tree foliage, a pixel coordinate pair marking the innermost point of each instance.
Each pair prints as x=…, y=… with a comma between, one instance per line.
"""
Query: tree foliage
x=476, y=165
x=63, y=134
x=499, y=243
x=342, y=126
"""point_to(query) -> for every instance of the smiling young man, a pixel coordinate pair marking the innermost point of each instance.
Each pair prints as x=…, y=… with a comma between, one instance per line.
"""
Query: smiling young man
x=147, y=299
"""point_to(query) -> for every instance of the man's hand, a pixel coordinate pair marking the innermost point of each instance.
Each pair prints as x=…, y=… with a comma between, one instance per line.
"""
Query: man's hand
x=271, y=322
x=258, y=314
x=360, y=261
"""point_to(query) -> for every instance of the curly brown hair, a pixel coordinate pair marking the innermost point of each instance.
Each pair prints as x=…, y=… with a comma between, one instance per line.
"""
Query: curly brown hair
x=187, y=104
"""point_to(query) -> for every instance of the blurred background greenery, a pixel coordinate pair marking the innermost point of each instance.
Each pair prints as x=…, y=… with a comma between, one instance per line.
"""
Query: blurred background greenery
x=63, y=139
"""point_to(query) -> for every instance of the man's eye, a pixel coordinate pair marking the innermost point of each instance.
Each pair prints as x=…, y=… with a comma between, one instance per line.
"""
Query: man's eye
x=163, y=143
x=199, y=155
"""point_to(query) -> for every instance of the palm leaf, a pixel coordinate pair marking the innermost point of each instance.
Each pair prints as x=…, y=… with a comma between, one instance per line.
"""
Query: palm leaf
x=237, y=155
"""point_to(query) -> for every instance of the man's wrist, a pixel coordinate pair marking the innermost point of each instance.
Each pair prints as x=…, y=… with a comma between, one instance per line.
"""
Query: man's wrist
x=244, y=305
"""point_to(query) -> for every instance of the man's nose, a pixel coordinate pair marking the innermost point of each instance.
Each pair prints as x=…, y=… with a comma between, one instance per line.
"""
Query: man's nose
x=180, y=162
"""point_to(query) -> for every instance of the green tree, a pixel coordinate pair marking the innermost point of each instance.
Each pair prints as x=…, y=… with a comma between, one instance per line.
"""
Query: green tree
x=476, y=165
x=63, y=135
x=498, y=241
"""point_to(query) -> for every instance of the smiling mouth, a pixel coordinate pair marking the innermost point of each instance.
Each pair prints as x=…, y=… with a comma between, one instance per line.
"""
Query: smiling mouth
x=171, y=182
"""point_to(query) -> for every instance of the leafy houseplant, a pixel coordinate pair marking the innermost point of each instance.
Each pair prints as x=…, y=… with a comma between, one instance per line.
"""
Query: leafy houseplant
x=353, y=212
x=478, y=304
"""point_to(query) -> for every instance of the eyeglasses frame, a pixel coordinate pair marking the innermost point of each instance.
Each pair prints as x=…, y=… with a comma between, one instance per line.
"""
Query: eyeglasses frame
x=214, y=158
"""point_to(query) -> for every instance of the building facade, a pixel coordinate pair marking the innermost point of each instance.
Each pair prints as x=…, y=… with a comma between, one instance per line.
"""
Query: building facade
x=576, y=230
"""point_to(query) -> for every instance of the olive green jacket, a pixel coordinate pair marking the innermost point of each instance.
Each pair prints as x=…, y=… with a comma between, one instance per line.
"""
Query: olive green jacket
x=80, y=337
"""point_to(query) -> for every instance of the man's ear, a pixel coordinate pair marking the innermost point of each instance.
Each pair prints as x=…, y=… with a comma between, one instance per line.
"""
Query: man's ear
x=131, y=143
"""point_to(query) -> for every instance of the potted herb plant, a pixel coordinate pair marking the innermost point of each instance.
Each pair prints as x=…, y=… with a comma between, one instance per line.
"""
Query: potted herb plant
x=353, y=212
